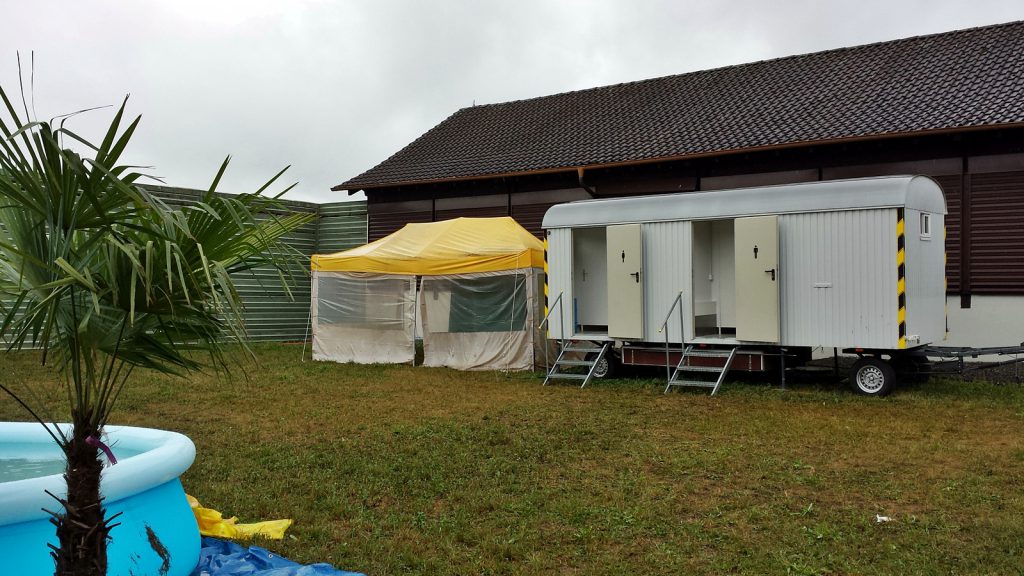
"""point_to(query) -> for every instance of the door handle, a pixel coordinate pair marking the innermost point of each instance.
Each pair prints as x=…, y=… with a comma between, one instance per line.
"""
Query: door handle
x=772, y=272
x=636, y=276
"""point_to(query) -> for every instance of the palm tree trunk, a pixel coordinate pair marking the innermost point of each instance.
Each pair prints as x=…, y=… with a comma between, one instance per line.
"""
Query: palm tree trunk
x=82, y=530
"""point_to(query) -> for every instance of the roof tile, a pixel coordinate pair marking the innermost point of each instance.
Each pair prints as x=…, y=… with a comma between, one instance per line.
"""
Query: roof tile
x=966, y=78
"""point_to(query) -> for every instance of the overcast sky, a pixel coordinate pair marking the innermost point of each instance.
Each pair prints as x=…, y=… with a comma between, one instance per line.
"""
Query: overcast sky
x=334, y=88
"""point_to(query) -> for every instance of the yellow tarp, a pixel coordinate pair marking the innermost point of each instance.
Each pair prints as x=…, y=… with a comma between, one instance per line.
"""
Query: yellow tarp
x=458, y=246
x=213, y=523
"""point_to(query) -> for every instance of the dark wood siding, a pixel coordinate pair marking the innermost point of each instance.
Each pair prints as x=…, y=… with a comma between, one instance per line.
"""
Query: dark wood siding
x=530, y=216
x=985, y=202
x=528, y=208
x=951, y=189
x=388, y=217
x=485, y=212
x=997, y=232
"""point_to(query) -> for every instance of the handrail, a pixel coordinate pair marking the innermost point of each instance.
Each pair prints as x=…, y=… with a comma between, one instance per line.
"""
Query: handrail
x=561, y=326
x=547, y=317
x=677, y=302
x=664, y=325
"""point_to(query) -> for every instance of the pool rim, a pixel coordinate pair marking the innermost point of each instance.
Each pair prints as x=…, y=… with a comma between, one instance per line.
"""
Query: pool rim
x=164, y=456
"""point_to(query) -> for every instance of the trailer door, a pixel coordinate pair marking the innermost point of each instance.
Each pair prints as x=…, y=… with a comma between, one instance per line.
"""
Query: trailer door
x=625, y=281
x=757, y=279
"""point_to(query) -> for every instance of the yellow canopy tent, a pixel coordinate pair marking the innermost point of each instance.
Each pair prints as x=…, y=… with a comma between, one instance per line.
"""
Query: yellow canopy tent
x=458, y=246
x=477, y=298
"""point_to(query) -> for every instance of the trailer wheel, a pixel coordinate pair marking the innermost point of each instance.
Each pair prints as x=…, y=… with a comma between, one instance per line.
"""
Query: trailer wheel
x=607, y=367
x=872, y=376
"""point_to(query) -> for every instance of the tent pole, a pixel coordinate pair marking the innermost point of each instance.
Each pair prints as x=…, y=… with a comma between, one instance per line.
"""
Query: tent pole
x=313, y=293
x=417, y=282
x=309, y=322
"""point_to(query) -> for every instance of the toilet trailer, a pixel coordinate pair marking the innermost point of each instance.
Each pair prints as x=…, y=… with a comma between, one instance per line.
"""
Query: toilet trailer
x=857, y=265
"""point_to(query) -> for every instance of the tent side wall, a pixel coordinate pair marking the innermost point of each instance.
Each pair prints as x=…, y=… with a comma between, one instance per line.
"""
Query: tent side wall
x=363, y=318
x=481, y=321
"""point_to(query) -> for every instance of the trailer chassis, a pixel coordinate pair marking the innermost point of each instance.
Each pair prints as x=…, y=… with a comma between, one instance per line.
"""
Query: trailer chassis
x=951, y=359
x=926, y=361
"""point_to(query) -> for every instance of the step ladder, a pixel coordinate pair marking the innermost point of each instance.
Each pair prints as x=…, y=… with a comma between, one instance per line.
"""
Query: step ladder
x=696, y=376
x=571, y=348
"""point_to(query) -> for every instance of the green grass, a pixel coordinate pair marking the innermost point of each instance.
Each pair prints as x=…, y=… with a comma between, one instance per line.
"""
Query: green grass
x=401, y=470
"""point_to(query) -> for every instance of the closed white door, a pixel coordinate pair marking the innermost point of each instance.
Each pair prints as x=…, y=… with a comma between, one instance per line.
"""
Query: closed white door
x=625, y=281
x=757, y=279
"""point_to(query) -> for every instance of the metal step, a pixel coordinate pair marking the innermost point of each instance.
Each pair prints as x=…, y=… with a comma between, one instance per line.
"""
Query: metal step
x=709, y=353
x=568, y=376
x=590, y=364
x=573, y=363
x=689, y=368
x=694, y=383
x=587, y=350
x=683, y=368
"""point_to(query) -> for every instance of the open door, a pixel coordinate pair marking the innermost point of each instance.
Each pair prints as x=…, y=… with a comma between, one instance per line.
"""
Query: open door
x=625, y=281
x=757, y=279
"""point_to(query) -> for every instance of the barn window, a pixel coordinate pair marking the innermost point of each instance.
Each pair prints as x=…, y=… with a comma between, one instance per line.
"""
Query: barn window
x=926, y=226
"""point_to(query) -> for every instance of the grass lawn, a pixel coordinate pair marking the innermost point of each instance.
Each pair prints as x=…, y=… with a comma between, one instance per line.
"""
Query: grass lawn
x=401, y=470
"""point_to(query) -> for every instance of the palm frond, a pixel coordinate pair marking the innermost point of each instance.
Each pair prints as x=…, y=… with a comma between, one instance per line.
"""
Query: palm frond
x=108, y=276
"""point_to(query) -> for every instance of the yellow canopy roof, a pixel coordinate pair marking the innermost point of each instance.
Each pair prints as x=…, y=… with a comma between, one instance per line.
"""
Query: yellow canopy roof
x=457, y=246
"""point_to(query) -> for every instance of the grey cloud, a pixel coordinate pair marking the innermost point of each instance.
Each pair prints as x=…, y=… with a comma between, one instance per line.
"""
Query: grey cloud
x=333, y=88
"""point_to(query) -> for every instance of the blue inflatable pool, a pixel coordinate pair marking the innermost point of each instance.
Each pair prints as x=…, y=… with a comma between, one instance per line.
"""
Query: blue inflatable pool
x=157, y=535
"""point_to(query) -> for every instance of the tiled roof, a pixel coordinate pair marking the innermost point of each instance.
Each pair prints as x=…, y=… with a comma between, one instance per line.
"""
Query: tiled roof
x=963, y=79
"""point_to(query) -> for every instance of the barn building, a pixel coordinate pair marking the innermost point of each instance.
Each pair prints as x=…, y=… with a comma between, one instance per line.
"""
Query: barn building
x=949, y=105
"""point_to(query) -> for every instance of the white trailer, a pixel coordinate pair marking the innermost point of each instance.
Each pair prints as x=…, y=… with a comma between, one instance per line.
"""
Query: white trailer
x=733, y=278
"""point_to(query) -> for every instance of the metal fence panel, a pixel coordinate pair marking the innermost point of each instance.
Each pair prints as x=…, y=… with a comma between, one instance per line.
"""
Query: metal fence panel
x=270, y=314
x=342, y=225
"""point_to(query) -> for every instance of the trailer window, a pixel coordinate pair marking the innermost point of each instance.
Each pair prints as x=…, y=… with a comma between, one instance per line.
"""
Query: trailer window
x=926, y=226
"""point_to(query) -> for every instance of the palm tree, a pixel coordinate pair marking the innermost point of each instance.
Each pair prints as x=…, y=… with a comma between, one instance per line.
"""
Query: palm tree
x=105, y=278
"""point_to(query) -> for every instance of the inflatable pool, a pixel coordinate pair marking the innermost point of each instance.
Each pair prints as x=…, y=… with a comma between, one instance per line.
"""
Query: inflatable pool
x=157, y=534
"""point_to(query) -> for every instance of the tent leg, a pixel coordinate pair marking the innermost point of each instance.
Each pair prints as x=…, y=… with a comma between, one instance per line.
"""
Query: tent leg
x=309, y=322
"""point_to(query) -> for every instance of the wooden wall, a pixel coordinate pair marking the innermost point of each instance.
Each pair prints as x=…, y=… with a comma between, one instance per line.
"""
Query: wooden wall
x=981, y=174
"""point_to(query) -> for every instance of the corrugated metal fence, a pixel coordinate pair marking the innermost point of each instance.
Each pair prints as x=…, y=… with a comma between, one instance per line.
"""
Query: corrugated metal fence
x=270, y=314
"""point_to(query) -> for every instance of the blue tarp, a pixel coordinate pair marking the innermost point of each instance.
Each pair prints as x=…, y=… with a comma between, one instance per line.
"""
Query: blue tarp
x=222, y=558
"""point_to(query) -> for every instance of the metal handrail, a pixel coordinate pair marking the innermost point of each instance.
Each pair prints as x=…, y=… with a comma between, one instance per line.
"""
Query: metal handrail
x=664, y=328
x=547, y=317
x=561, y=326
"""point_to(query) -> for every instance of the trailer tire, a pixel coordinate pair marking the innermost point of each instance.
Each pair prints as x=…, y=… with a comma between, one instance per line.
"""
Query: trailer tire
x=872, y=376
x=607, y=368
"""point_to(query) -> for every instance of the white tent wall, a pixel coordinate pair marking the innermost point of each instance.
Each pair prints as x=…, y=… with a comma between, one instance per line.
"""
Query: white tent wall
x=363, y=318
x=483, y=321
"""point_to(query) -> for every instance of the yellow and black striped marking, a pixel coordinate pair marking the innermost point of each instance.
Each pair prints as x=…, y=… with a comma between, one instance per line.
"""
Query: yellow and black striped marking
x=901, y=277
x=945, y=279
x=546, y=277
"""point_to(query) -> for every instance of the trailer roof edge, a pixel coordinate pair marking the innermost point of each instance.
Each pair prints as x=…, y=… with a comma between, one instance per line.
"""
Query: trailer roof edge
x=914, y=192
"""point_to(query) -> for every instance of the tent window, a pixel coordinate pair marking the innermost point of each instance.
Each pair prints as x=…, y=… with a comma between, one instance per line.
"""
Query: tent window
x=926, y=226
x=488, y=304
x=375, y=302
